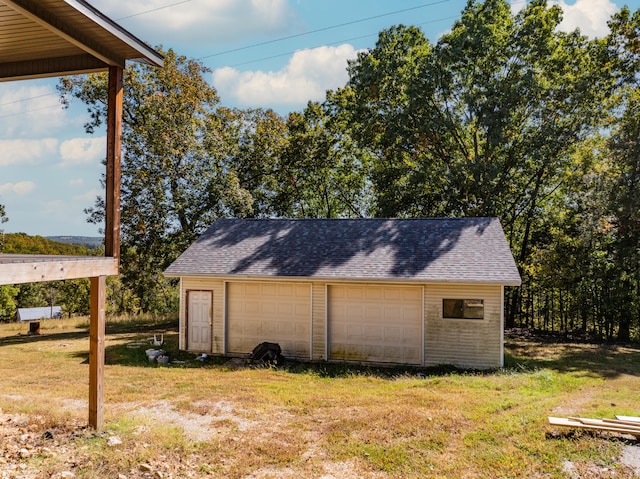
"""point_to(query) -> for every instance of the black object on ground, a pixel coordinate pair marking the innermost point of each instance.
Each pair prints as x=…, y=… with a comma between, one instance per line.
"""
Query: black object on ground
x=266, y=353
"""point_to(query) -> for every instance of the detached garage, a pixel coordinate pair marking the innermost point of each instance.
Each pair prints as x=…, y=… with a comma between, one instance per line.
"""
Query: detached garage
x=402, y=291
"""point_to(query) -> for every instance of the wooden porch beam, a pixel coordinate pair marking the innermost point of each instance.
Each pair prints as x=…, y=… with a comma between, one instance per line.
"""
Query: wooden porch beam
x=19, y=269
x=96, y=352
x=114, y=147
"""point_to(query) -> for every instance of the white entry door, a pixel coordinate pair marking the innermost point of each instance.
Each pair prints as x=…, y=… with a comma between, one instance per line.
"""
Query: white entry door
x=199, y=320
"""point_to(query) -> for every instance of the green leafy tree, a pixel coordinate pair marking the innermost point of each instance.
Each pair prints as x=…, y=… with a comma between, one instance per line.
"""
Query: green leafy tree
x=8, y=305
x=482, y=123
x=624, y=201
x=3, y=219
x=253, y=140
x=74, y=297
x=176, y=171
x=321, y=174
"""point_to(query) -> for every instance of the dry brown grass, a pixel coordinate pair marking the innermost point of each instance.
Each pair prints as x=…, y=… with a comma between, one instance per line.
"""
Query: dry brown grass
x=327, y=421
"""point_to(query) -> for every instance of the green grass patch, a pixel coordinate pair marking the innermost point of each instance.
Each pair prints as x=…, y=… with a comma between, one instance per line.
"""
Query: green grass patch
x=208, y=419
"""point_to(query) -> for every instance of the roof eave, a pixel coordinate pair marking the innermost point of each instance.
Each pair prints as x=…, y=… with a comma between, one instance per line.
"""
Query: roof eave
x=46, y=19
x=328, y=279
x=148, y=54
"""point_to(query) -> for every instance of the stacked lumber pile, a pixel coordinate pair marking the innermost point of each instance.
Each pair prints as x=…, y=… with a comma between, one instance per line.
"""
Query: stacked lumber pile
x=621, y=424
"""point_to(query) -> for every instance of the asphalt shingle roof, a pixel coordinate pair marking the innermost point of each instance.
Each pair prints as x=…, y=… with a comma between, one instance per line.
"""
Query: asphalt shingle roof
x=460, y=250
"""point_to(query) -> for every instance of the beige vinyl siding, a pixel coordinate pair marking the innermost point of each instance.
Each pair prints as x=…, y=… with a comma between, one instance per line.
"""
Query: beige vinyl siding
x=475, y=343
x=319, y=321
x=463, y=342
x=216, y=286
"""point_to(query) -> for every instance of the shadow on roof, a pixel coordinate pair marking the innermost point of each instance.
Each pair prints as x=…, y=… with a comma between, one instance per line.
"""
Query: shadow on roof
x=400, y=248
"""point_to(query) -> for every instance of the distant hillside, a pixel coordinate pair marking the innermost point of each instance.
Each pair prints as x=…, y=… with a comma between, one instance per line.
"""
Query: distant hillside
x=21, y=243
x=90, y=242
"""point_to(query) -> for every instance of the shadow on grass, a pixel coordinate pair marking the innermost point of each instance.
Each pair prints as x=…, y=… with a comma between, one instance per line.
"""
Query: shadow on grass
x=600, y=360
x=132, y=326
x=45, y=336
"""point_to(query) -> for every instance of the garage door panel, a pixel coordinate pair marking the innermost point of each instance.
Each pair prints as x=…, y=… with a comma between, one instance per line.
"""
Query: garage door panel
x=266, y=328
x=259, y=312
x=375, y=323
x=373, y=314
x=354, y=332
x=355, y=293
x=374, y=333
x=394, y=335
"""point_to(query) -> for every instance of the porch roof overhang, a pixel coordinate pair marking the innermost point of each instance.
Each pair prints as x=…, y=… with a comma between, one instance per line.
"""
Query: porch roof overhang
x=47, y=38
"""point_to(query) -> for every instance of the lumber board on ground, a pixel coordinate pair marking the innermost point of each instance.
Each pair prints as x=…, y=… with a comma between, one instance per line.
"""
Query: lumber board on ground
x=629, y=418
x=622, y=421
x=611, y=423
x=594, y=425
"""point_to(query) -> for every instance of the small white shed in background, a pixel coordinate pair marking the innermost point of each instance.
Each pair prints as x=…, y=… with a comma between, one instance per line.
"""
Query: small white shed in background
x=34, y=314
x=402, y=291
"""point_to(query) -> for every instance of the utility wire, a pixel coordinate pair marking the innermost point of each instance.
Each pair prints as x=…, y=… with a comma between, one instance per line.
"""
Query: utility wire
x=263, y=43
x=152, y=10
x=26, y=99
x=332, y=43
x=250, y=46
x=336, y=42
x=31, y=111
x=324, y=29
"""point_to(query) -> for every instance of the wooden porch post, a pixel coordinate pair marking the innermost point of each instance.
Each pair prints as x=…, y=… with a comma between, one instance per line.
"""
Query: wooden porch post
x=114, y=145
x=96, y=351
x=111, y=248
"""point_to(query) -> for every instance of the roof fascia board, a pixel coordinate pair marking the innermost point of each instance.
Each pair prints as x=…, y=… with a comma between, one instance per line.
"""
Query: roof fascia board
x=148, y=54
x=227, y=277
x=45, y=19
x=51, y=67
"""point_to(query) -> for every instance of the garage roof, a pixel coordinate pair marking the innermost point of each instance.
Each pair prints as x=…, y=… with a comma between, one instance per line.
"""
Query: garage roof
x=461, y=250
x=43, y=38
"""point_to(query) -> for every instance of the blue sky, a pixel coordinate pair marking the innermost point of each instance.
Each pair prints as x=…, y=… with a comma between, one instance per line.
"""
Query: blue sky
x=263, y=53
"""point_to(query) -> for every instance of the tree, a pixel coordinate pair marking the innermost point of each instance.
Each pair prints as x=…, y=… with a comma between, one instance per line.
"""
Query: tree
x=74, y=297
x=624, y=201
x=254, y=140
x=8, y=305
x=177, y=176
x=484, y=122
x=320, y=173
x=3, y=219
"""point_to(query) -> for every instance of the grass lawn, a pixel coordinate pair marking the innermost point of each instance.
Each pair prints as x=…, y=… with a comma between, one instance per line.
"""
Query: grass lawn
x=219, y=419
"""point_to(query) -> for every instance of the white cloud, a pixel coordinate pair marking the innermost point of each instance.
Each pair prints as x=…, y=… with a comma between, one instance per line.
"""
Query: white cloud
x=590, y=16
x=80, y=151
x=90, y=195
x=20, y=188
x=33, y=103
x=307, y=76
x=76, y=182
x=26, y=152
x=517, y=5
x=204, y=21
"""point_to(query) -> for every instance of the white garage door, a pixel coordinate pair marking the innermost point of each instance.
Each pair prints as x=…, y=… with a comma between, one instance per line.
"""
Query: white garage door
x=375, y=323
x=274, y=312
